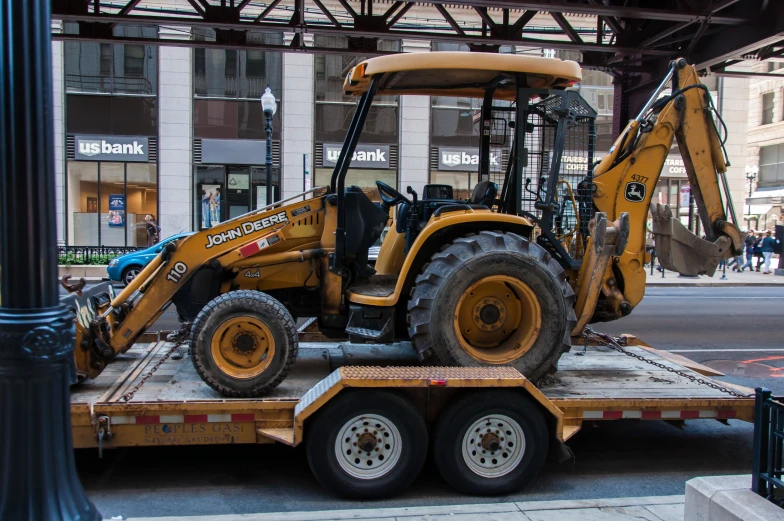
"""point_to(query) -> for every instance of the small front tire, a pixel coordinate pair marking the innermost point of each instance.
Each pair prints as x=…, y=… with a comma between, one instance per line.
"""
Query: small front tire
x=243, y=343
x=367, y=444
x=490, y=443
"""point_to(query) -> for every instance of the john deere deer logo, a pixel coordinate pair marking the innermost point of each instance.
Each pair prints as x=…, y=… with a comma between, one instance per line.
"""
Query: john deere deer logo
x=635, y=192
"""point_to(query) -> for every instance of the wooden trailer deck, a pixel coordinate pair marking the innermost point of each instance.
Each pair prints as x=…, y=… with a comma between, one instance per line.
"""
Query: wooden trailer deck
x=175, y=407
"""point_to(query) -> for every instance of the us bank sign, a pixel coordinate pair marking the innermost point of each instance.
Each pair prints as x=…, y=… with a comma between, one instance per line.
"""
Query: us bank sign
x=464, y=159
x=365, y=156
x=111, y=148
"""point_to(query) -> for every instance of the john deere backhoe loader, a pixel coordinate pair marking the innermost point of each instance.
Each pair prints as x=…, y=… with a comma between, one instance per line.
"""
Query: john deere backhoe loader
x=545, y=244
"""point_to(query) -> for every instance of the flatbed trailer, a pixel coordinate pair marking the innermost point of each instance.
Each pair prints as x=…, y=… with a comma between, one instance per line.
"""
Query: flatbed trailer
x=144, y=398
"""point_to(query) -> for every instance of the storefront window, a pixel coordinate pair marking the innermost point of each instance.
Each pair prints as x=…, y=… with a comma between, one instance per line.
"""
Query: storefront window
x=365, y=179
x=112, y=204
x=462, y=183
x=107, y=202
x=224, y=192
x=141, y=199
x=82, y=200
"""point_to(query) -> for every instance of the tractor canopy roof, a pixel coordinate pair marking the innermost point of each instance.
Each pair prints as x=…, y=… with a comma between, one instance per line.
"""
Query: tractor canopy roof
x=464, y=74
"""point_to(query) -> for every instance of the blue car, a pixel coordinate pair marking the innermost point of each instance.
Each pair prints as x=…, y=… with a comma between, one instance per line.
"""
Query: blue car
x=125, y=268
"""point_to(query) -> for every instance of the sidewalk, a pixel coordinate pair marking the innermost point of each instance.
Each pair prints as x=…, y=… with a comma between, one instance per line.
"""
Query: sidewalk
x=747, y=278
x=654, y=508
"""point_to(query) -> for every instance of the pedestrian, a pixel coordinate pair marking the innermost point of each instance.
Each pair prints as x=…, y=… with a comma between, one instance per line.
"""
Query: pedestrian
x=768, y=245
x=153, y=230
x=749, y=246
x=758, y=250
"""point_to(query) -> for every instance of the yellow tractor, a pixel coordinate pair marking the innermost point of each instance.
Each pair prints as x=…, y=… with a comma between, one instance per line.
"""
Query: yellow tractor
x=547, y=242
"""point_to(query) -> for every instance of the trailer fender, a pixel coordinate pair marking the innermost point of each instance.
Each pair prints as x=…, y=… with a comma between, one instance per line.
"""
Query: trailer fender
x=422, y=378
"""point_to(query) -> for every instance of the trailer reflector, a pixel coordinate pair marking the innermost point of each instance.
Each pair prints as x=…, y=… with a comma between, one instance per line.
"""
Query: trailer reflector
x=661, y=415
x=183, y=418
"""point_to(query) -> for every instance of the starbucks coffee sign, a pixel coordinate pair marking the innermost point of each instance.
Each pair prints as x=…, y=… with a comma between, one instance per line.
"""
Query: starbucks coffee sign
x=111, y=148
x=464, y=159
x=365, y=156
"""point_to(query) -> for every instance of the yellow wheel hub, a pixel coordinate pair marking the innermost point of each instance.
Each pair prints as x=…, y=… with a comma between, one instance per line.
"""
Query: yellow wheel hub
x=243, y=347
x=498, y=319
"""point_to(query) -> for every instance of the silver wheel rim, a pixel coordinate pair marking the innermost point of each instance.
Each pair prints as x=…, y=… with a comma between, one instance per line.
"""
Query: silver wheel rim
x=130, y=275
x=494, y=431
x=369, y=431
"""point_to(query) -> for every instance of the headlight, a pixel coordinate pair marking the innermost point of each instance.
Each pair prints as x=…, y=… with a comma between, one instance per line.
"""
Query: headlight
x=114, y=262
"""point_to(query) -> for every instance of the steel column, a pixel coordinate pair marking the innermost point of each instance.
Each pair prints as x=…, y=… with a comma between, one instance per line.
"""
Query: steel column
x=36, y=455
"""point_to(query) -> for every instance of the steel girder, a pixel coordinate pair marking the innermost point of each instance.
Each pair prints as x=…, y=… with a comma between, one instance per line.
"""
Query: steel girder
x=631, y=39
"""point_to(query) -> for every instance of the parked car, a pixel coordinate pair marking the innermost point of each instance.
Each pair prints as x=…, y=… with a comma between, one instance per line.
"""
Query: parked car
x=126, y=267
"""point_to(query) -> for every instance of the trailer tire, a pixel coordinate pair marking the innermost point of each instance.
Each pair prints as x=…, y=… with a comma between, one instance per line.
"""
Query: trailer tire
x=391, y=468
x=243, y=343
x=493, y=298
x=518, y=429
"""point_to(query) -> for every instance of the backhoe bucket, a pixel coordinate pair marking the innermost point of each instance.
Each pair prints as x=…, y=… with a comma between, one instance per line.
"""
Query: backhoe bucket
x=680, y=250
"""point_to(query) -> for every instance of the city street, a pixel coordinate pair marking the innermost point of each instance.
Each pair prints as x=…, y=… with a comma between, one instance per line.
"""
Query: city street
x=719, y=327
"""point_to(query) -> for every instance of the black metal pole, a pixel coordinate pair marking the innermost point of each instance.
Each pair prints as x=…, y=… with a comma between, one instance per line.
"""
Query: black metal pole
x=760, y=440
x=36, y=452
x=268, y=129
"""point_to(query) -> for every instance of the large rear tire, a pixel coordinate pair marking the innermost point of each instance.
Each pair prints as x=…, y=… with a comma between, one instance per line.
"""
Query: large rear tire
x=243, y=343
x=493, y=299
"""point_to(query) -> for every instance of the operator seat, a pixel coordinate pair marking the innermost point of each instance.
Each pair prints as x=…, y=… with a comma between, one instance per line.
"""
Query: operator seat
x=484, y=194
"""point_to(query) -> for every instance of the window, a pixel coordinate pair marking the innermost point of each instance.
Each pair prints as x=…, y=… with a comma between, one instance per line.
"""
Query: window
x=232, y=119
x=227, y=73
x=773, y=66
x=771, y=165
x=112, y=68
x=767, y=108
x=134, y=60
x=106, y=59
x=223, y=192
x=596, y=78
x=119, y=115
x=107, y=202
x=334, y=109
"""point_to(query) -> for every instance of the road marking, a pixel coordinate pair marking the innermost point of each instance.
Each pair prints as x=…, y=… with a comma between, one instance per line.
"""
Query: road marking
x=771, y=350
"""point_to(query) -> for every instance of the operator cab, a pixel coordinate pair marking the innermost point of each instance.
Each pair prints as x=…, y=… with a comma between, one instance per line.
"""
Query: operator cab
x=526, y=118
x=438, y=199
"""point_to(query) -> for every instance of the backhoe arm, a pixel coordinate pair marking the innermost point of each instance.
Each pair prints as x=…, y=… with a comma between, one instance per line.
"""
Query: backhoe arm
x=626, y=179
x=275, y=229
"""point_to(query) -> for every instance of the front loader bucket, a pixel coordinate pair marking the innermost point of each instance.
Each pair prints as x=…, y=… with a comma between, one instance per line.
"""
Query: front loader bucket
x=680, y=250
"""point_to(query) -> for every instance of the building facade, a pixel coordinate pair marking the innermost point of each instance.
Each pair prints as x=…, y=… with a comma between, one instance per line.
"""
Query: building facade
x=180, y=133
x=764, y=179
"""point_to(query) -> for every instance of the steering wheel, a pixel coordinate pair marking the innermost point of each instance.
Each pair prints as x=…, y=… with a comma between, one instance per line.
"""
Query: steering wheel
x=390, y=197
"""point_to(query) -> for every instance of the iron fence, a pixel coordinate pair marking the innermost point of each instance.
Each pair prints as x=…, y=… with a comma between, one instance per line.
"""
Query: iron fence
x=766, y=472
x=93, y=255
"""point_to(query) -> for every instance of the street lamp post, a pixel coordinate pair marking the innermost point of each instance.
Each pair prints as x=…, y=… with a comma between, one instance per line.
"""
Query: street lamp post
x=269, y=106
x=36, y=332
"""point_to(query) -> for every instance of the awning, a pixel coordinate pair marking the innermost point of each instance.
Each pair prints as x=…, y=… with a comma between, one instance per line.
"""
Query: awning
x=757, y=209
x=766, y=195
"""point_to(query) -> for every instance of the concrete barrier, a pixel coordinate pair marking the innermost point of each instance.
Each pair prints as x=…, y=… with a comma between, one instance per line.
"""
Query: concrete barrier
x=727, y=498
x=77, y=271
